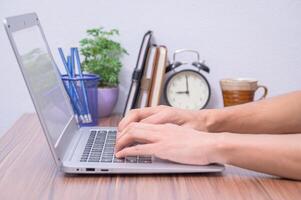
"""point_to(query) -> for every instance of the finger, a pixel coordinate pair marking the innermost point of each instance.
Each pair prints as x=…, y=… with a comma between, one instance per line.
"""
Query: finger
x=137, y=126
x=134, y=135
x=136, y=115
x=158, y=118
x=138, y=132
x=137, y=150
x=133, y=138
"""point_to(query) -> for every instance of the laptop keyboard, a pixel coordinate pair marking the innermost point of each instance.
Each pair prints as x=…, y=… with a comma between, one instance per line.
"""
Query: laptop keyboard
x=100, y=148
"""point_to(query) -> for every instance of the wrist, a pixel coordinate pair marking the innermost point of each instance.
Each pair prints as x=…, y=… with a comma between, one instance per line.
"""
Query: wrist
x=214, y=118
x=221, y=148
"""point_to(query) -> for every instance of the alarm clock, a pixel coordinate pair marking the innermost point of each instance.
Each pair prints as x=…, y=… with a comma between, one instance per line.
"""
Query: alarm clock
x=186, y=87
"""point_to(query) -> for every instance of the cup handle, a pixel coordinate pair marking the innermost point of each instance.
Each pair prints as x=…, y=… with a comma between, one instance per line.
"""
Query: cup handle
x=265, y=91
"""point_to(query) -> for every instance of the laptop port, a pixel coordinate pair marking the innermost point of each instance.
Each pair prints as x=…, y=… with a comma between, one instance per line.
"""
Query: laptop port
x=90, y=169
x=104, y=170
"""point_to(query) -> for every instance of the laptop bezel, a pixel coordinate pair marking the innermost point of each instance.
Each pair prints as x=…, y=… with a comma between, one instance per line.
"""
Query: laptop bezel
x=20, y=22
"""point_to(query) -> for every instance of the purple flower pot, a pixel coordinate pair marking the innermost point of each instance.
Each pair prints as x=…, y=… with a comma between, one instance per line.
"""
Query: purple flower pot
x=107, y=99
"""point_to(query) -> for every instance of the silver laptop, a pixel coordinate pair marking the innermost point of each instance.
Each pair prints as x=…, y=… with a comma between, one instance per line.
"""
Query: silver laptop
x=75, y=150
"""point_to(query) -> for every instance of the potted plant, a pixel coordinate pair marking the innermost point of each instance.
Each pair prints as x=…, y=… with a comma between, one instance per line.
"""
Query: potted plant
x=102, y=56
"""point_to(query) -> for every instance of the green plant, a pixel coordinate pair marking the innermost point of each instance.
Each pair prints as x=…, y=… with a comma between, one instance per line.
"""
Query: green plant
x=102, y=55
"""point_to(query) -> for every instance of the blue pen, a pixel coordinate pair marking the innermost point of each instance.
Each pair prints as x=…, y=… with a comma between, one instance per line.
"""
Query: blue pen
x=83, y=87
x=75, y=95
x=72, y=89
x=69, y=89
x=69, y=72
x=76, y=111
x=68, y=92
x=76, y=98
x=63, y=59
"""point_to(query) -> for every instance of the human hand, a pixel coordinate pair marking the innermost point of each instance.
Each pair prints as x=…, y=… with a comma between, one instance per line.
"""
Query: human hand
x=166, y=114
x=168, y=141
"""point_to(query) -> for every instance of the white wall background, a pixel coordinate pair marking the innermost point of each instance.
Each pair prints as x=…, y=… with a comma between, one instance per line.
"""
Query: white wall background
x=259, y=39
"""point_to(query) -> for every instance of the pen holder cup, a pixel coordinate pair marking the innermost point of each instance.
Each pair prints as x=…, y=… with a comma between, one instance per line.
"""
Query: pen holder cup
x=91, y=82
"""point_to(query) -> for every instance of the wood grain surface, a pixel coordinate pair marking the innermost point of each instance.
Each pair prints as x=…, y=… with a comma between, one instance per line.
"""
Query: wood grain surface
x=27, y=171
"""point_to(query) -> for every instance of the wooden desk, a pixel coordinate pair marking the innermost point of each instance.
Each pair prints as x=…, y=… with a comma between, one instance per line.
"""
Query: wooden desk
x=27, y=171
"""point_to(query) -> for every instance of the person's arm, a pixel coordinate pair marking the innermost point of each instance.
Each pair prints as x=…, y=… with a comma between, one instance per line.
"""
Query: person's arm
x=279, y=155
x=281, y=114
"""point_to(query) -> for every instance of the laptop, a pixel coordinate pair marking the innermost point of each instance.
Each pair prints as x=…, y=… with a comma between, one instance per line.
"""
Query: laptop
x=75, y=149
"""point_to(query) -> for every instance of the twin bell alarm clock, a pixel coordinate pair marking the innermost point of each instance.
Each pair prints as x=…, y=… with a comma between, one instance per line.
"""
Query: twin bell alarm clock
x=186, y=86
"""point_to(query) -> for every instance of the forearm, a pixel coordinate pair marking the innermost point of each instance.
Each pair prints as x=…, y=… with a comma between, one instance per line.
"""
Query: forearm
x=280, y=114
x=278, y=155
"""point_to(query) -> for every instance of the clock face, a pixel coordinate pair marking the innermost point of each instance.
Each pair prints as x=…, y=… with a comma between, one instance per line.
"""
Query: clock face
x=187, y=89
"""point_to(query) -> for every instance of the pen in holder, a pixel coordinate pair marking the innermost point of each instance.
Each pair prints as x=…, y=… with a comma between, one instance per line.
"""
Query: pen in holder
x=90, y=81
x=81, y=88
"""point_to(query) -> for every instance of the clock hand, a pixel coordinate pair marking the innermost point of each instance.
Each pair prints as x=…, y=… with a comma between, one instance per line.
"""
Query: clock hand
x=186, y=83
x=182, y=92
x=187, y=87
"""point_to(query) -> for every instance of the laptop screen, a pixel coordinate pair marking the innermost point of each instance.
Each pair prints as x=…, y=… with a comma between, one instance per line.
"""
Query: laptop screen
x=43, y=81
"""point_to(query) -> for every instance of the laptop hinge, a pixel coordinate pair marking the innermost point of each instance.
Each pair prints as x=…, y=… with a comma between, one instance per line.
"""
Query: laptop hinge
x=65, y=138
